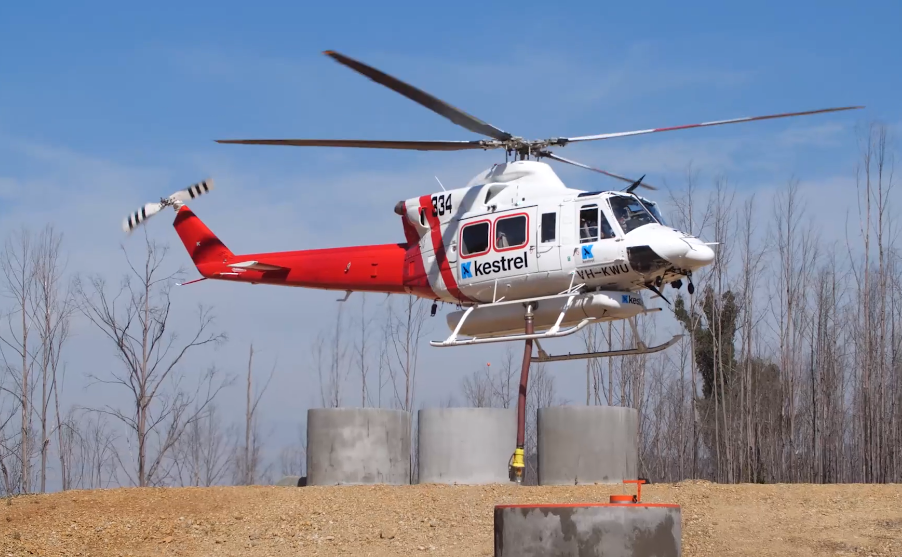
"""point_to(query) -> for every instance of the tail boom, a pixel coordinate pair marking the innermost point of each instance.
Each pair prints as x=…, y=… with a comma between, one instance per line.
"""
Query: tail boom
x=374, y=268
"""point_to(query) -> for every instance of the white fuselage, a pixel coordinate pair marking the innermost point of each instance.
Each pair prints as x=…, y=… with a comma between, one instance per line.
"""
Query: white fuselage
x=516, y=231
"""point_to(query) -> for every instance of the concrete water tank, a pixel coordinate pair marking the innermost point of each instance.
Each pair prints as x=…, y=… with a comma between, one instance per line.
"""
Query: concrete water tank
x=597, y=529
x=587, y=444
x=466, y=445
x=356, y=446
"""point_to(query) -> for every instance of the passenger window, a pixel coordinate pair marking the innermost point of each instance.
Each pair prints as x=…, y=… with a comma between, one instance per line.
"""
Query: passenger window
x=606, y=230
x=590, y=219
x=474, y=239
x=588, y=224
x=548, y=226
x=510, y=232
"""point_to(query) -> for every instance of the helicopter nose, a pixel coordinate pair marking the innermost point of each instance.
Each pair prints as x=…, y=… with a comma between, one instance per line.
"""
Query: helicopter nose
x=685, y=255
x=698, y=256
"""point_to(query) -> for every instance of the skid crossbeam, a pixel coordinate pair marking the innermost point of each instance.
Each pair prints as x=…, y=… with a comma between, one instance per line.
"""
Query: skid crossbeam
x=554, y=332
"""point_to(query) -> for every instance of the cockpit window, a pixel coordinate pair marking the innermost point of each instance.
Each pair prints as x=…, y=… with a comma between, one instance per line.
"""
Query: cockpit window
x=653, y=207
x=630, y=213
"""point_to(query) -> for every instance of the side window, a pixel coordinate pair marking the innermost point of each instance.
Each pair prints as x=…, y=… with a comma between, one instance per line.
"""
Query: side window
x=606, y=230
x=474, y=239
x=549, y=222
x=588, y=224
x=510, y=232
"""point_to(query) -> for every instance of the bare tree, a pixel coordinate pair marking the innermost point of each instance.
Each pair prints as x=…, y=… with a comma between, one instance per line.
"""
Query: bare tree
x=332, y=363
x=17, y=264
x=360, y=349
x=293, y=458
x=541, y=392
x=51, y=309
x=249, y=456
x=503, y=379
x=490, y=387
x=405, y=329
x=478, y=389
x=135, y=320
x=201, y=457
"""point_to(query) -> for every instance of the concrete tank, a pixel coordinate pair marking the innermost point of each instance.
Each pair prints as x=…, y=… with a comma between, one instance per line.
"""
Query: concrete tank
x=466, y=445
x=592, y=529
x=354, y=446
x=587, y=444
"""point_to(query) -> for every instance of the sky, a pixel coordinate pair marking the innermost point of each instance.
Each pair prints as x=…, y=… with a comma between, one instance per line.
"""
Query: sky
x=104, y=107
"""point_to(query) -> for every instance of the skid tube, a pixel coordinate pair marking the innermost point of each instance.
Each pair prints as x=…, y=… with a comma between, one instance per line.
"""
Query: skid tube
x=544, y=357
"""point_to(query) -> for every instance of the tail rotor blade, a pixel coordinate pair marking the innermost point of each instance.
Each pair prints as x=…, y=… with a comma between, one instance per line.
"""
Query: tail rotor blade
x=192, y=191
x=138, y=217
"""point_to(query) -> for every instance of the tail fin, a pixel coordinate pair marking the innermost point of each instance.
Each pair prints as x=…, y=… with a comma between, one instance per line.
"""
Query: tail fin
x=203, y=246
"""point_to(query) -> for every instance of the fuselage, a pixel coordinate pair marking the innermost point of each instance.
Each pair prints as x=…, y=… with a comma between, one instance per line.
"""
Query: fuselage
x=514, y=232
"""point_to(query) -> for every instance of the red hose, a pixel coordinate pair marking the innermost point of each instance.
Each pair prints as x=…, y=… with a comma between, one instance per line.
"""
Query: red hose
x=524, y=378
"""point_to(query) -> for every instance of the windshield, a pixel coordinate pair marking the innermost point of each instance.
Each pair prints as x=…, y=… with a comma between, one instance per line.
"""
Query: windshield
x=654, y=211
x=630, y=213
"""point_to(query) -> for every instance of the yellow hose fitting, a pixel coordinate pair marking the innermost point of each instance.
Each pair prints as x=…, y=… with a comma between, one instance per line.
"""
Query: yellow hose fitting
x=517, y=465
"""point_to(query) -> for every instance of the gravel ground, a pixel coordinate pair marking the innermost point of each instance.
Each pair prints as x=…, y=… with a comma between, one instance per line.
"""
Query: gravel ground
x=718, y=520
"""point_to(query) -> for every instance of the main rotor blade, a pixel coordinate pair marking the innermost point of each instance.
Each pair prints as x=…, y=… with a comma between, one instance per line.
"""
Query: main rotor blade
x=456, y=115
x=565, y=140
x=550, y=155
x=367, y=144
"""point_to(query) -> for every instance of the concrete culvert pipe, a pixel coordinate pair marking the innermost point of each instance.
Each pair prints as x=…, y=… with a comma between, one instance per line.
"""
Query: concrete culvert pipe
x=587, y=444
x=467, y=446
x=358, y=446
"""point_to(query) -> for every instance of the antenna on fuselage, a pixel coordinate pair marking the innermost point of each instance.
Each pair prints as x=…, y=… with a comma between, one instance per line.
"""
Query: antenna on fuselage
x=440, y=183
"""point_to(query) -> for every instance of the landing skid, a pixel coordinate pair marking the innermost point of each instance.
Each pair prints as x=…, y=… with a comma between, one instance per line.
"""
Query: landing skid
x=642, y=349
x=554, y=332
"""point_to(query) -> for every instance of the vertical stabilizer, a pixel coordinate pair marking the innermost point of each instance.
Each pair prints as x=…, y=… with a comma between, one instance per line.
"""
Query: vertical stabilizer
x=203, y=246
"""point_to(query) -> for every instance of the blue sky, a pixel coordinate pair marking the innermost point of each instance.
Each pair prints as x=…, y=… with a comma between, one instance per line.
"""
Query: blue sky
x=104, y=107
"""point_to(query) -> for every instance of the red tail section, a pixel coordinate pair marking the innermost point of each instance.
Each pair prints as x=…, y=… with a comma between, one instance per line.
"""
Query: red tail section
x=388, y=268
x=203, y=246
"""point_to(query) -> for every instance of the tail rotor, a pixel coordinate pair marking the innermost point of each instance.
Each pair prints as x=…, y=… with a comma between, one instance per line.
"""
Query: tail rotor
x=176, y=200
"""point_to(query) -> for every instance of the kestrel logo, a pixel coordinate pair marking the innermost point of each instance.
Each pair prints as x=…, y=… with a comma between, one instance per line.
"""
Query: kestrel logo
x=472, y=269
x=587, y=252
x=465, y=271
x=627, y=299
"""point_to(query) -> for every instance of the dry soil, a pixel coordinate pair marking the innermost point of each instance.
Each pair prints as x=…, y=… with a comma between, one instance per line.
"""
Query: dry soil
x=718, y=520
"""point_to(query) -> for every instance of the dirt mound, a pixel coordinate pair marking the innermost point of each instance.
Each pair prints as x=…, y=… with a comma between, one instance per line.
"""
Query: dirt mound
x=718, y=520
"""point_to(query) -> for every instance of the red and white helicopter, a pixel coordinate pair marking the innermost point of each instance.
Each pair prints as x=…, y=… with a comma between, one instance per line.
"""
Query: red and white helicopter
x=514, y=236
x=523, y=256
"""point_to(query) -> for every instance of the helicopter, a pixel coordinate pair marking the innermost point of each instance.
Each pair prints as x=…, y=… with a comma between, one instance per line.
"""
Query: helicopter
x=515, y=235
x=521, y=255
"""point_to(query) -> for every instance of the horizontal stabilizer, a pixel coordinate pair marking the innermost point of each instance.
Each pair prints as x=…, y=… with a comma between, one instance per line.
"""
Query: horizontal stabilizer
x=257, y=266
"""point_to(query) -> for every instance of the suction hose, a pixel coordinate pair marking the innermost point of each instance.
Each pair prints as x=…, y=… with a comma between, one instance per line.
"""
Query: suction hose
x=518, y=462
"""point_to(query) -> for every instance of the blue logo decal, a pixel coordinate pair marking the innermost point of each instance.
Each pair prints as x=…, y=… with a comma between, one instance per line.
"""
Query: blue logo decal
x=625, y=299
x=587, y=252
x=465, y=271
